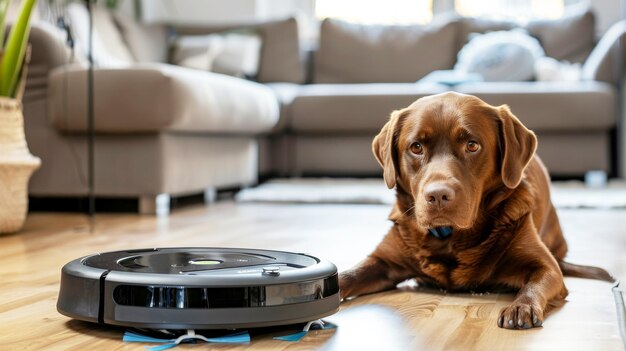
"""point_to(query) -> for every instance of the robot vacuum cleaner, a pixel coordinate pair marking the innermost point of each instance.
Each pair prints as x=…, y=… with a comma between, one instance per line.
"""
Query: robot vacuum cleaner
x=198, y=288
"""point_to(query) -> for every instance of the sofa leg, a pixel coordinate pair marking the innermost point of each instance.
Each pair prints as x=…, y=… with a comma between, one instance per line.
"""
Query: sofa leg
x=210, y=195
x=158, y=205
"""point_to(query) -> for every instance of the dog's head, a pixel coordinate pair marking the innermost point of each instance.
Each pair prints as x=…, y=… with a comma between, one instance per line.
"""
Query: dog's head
x=448, y=150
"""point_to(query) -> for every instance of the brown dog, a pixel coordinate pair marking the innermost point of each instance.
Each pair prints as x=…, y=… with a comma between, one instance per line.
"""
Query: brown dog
x=473, y=209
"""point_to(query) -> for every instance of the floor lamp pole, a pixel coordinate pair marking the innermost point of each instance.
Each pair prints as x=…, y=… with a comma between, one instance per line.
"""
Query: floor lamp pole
x=90, y=121
x=620, y=134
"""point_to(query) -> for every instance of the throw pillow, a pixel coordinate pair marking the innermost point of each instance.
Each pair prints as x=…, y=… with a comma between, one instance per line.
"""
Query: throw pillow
x=235, y=54
x=280, y=59
x=500, y=56
x=109, y=49
x=146, y=42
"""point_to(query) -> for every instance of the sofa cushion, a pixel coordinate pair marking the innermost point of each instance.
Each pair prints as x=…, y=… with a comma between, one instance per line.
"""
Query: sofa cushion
x=233, y=53
x=570, y=38
x=109, y=49
x=354, y=53
x=146, y=42
x=280, y=54
x=552, y=106
x=352, y=108
x=280, y=51
x=154, y=97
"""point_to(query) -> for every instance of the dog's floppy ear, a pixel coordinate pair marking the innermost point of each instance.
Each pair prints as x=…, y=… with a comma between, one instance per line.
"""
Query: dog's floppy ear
x=517, y=147
x=384, y=148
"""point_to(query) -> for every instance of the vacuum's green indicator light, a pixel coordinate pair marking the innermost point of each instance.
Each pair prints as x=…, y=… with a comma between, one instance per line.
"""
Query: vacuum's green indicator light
x=205, y=262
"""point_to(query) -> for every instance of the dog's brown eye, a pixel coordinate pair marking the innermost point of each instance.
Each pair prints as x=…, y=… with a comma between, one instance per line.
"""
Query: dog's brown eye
x=417, y=148
x=472, y=146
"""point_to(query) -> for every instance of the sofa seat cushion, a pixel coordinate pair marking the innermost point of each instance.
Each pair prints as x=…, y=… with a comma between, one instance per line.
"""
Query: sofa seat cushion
x=552, y=106
x=353, y=108
x=355, y=53
x=161, y=97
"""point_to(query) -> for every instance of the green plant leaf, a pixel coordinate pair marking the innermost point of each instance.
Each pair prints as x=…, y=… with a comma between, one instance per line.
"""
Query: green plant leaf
x=4, y=6
x=14, y=51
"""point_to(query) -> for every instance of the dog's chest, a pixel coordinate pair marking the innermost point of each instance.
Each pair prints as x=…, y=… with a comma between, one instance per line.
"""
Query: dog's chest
x=444, y=266
x=436, y=265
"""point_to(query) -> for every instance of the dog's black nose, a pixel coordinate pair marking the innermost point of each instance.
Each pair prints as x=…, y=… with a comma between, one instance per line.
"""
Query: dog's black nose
x=438, y=194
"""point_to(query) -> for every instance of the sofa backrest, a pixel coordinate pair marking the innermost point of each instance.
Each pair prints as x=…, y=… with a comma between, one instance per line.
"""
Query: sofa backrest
x=569, y=38
x=120, y=40
x=347, y=53
x=353, y=53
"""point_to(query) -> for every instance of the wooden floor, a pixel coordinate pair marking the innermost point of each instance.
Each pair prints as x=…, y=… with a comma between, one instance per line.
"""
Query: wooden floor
x=406, y=318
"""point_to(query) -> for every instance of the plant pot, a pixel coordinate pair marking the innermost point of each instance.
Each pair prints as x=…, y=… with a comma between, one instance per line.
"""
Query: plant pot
x=16, y=166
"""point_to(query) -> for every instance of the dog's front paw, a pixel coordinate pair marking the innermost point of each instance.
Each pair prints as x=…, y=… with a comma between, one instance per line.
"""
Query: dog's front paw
x=520, y=316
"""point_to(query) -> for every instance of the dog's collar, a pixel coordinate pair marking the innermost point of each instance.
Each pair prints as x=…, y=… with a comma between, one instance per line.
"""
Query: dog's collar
x=441, y=232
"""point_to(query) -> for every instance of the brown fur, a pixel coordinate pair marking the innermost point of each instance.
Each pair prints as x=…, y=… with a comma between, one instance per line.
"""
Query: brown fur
x=506, y=234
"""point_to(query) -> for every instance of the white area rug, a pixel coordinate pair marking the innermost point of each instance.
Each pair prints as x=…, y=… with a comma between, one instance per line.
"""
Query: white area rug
x=572, y=194
x=320, y=190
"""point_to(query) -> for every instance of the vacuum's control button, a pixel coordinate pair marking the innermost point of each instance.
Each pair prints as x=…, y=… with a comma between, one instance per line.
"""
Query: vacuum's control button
x=274, y=271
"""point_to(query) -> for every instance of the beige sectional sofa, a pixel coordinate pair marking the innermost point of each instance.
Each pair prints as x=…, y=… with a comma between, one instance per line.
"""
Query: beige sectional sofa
x=168, y=130
x=161, y=130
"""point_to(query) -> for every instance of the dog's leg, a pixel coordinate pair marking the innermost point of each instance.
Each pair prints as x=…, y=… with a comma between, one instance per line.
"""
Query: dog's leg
x=544, y=290
x=369, y=276
x=540, y=290
x=382, y=270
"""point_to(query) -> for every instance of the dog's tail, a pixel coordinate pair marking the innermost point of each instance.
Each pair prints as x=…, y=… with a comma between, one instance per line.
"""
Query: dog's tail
x=575, y=270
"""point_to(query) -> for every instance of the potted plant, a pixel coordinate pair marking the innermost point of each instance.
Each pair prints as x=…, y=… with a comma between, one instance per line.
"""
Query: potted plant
x=16, y=162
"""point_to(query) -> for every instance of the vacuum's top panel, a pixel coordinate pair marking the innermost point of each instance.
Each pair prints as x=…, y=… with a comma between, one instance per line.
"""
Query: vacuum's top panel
x=200, y=261
x=198, y=266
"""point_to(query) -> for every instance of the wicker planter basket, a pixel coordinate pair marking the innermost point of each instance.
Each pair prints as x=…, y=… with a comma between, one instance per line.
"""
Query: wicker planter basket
x=16, y=166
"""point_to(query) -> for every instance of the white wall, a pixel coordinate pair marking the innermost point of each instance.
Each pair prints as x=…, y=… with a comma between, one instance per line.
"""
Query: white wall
x=220, y=12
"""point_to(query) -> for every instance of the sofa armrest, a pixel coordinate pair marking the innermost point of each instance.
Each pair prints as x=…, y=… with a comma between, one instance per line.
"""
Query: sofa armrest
x=156, y=97
x=48, y=50
x=603, y=62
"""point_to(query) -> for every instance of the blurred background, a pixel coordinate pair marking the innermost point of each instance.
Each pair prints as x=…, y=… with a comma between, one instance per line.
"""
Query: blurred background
x=192, y=97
